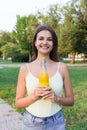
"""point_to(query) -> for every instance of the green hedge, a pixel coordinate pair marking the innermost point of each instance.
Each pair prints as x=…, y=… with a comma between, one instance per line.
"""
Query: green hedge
x=20, y=57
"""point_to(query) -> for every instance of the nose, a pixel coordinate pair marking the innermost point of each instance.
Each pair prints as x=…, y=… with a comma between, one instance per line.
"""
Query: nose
x=45, y=41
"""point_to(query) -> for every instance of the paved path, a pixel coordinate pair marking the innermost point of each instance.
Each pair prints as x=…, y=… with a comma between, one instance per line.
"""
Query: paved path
x=9, y=118
x=2, y=65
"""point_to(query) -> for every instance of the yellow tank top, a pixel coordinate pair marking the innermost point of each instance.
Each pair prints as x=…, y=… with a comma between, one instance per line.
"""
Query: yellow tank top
x=44, y=108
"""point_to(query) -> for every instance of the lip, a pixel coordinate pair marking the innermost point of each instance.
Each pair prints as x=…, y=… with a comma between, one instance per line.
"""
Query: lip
x=44, y=47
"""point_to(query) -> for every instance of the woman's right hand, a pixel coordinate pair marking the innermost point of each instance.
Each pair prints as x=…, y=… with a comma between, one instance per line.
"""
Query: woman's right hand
x=39, y=92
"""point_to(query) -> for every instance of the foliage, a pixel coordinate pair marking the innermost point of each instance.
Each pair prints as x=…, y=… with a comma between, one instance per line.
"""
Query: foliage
x=20, y=57
x=52, y=16
x=24, y=31
x=8, y=49
x=68, y=21
x=6, y=38
x=74, y=31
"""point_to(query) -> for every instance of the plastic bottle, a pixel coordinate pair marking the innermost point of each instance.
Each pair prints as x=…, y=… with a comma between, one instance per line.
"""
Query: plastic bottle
x=43, y=75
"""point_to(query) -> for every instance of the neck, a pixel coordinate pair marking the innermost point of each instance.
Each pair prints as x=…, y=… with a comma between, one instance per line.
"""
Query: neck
x=48, y=60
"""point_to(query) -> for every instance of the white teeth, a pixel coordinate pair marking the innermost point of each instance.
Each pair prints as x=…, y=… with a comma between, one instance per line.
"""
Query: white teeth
x=44, y=47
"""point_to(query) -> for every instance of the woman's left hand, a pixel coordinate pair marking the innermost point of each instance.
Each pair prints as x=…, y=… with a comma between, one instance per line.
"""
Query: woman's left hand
x=49, y=94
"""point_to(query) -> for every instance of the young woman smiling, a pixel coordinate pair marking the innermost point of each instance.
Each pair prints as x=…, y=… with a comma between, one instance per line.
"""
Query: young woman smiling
x=43, y=106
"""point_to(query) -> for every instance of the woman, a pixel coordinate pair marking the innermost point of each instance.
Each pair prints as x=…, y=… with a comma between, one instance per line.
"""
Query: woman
x=43, y=106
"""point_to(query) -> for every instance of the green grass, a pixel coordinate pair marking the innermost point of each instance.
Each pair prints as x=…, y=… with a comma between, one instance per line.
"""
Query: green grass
x=5, y=61
x=78, y=75
x=75, y=117
x=8, y=80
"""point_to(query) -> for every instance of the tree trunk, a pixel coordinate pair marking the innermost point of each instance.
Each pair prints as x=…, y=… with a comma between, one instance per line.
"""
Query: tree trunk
x=73, y=58
x=4, y=58
x=29, y=57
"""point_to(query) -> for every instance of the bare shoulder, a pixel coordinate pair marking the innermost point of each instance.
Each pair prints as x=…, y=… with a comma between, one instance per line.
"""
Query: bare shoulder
x=63, y=65
x=63, y=68
x=23, y=69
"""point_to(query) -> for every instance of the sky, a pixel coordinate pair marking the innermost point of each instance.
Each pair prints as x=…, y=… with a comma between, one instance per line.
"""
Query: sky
x=9, y=9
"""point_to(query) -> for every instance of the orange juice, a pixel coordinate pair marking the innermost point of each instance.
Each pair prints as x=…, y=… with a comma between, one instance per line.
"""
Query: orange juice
x=44, y=79
x=43, y=75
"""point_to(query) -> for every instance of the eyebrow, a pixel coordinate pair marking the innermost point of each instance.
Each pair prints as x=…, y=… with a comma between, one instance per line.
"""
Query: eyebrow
x=47, y=37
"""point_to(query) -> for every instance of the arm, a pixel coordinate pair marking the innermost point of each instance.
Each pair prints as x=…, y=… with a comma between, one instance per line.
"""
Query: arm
x=68, y=99
x=22, y=100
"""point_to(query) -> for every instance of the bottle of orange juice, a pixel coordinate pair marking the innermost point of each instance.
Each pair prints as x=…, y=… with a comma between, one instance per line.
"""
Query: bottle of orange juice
x=43, y=75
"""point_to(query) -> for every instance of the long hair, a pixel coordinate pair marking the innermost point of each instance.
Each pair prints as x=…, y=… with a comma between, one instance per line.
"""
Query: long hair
x=53, y=54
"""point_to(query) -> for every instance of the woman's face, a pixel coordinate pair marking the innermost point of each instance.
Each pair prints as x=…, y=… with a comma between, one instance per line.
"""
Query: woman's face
x=44, y=42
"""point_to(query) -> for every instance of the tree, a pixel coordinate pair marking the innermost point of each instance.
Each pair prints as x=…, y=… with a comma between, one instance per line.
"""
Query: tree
x=83, y=6
x=8, y=50
x=75, y=32
x=5, y=38
x=24, y=31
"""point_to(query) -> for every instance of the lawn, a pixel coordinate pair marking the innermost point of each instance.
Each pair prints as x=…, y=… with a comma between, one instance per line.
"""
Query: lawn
x=76, y=116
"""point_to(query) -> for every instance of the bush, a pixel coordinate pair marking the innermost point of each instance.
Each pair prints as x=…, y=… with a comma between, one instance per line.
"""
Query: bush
x=20, y=57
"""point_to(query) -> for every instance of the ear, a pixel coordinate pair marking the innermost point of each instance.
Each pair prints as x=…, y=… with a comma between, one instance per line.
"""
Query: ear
x=35, y=44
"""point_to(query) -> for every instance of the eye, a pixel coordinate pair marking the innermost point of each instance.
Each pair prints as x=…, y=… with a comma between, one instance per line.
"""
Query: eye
x=50, y=39
x=40, y=38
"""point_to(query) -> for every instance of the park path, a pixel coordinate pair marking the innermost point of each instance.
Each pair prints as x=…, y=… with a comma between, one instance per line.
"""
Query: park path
x=9, y=118
x=2, y=65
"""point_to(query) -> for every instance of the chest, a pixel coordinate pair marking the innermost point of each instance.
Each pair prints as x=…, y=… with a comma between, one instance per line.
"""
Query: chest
x=51, y=69
x=55, y=82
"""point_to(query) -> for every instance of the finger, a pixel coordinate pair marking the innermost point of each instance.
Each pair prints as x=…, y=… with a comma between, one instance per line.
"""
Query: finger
x=48, y=96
